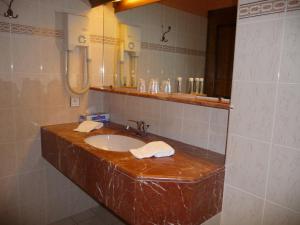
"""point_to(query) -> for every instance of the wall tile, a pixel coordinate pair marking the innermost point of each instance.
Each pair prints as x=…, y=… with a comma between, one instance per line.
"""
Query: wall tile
x=28, y=121
x=215, y=220
x=170, y=127
x=287, y=123
x=132, y=109
x=10, y=216
x=254, y=107
x=26, y=53
x=196, y=113
x=276, y=215
x=55, y=93
x=33, y=213
x=5, y=59
x=57, y=207
x=29, y=156
x=217, y=138
x=79, y=200
x=8, y=160
x=52, y=55
x=195, y=133
x=240, y=208
x=56, y=183
x=7, y=124
x=8, y=194
x=267, y=36
x=28, y=90
x=249, y=162
x=26, y=7
x=33, y=94
x=6, y=90
x=51, y=14
x=284, y=181
x=32, y=187
x=172, y=110
x=291, y=50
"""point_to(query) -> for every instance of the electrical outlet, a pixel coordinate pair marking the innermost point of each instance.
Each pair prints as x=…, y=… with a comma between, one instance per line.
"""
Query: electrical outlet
x=75, y=101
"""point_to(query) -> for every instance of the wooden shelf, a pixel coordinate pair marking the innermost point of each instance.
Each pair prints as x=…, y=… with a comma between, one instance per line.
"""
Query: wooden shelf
x=174, y=97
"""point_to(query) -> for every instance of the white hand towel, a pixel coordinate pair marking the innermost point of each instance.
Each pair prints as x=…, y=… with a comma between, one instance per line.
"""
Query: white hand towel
x=156, y=149
x=88, y=126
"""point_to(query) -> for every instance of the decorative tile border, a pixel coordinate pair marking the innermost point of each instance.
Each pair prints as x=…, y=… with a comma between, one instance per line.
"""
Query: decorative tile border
x=148, y=46
x=293, y=5
x=267, y=7
x=31, y=30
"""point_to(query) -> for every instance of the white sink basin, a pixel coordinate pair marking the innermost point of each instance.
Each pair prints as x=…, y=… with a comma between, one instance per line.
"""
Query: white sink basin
x=114, y=143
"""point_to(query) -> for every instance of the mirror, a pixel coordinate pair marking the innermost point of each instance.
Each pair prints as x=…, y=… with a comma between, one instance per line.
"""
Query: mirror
x=178, y=46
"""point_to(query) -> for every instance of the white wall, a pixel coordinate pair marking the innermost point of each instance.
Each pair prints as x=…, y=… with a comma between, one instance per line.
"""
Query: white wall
x=32, y=94
x=262, y=184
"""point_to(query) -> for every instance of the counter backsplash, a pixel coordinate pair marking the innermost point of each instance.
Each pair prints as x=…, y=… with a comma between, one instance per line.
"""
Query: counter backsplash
x=196, y=125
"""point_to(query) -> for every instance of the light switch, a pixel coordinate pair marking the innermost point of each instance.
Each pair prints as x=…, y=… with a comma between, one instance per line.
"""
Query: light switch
x=75, y=101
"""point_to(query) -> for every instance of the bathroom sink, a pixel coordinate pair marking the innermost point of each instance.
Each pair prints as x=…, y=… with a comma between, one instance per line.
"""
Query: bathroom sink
x=114, y=143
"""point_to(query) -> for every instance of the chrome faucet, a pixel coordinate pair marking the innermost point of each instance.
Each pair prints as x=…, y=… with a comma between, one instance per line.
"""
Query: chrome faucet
x=141, y=127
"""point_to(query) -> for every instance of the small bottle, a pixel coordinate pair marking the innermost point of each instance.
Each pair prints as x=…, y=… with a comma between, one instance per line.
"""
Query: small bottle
x=179, y=85
x=201, y=90
x=190, y=87
x=197, y=85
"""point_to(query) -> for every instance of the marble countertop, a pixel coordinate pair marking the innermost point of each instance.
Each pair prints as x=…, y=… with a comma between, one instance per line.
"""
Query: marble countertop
x=189, y=164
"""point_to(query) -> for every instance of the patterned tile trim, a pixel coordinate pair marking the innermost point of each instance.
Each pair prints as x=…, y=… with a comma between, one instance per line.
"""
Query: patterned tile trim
x=149, y=46
x=261, y=8
x=31, y=30
x=267, y=7
x=293, y=5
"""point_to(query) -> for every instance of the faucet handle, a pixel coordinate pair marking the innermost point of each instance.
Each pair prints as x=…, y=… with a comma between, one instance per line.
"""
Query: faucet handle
x=142, y=127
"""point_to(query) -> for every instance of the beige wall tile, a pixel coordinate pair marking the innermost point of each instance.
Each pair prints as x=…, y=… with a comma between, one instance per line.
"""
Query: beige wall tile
x=254, y=107
x=5, y=59
x=56, y=182
x=195, y=133
x=241, y=208
x=6, y=90
x=276, y=215
x=284, y=180
x=29, y=156
x=28, y=121
x=57, y=206
x=267, y=37
x=28, y=91
x=10, y=216
x=215, y=220
x=7, y=124
x=32, y=187
x=196, y=113
x=8, y=194
x=33, y=213
x=287, y=124
x=8, y=159
x=291, y=50
x=26, y=53
x=248, y=160
x=52, y=55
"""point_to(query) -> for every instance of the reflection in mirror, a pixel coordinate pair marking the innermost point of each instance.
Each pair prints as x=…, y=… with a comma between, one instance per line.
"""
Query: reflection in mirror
x=171, y=46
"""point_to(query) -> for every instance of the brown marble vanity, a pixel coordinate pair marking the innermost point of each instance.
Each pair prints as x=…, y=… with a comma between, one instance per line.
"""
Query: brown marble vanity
x=185, y=189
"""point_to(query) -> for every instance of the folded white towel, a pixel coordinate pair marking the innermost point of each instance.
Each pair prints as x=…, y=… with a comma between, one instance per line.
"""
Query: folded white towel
x=88, y=126
x=156, y=149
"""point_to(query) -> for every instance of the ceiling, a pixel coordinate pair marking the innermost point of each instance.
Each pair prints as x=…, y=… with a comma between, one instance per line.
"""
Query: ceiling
x=198, y=7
